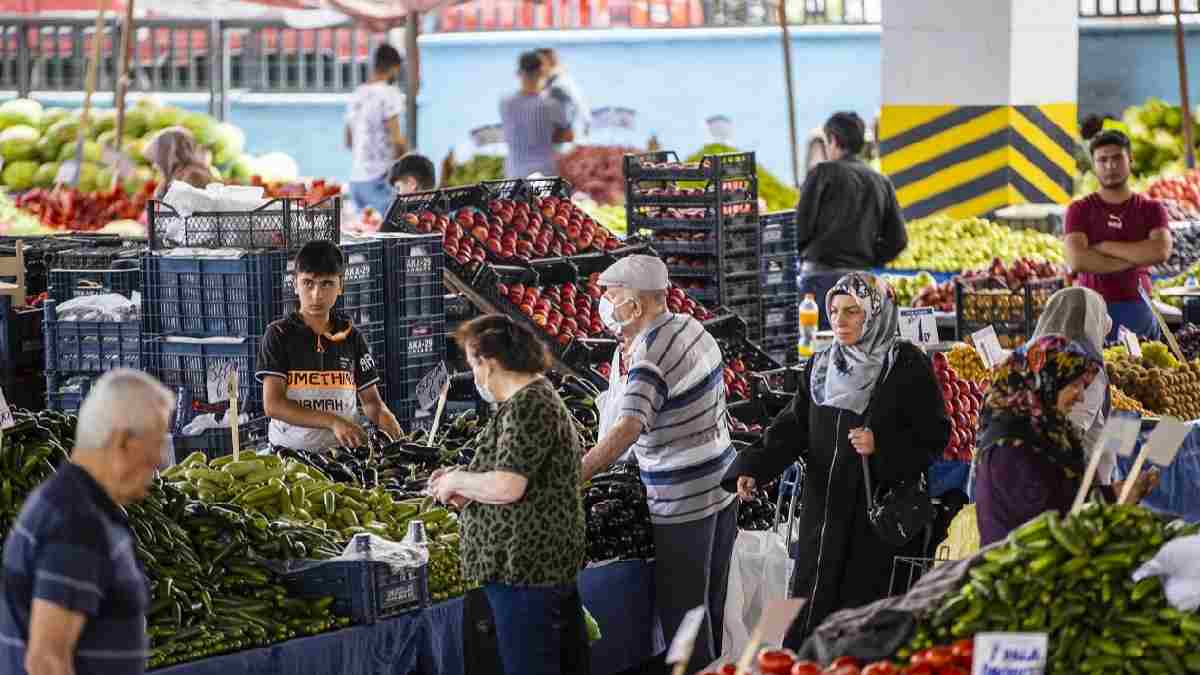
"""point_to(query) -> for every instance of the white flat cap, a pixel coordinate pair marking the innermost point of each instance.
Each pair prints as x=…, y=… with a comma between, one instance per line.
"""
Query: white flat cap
x=637, y=272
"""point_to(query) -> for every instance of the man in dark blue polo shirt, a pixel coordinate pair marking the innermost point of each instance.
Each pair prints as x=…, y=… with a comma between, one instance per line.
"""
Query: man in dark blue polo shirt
x=74, y=597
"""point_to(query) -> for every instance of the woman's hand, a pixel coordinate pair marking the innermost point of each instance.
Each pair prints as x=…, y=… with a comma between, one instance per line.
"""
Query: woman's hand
x=433, y=477
x=863, y=440
x=444, y=488
x=745, y=488
x=1141, y=489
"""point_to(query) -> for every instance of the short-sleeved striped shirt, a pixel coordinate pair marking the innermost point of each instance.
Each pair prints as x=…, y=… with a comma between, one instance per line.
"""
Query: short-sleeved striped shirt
x=529, y=122
x=71, y=546
x=676, y=389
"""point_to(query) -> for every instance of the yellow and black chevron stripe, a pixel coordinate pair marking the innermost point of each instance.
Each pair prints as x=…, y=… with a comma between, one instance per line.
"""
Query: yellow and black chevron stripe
x=972, y=160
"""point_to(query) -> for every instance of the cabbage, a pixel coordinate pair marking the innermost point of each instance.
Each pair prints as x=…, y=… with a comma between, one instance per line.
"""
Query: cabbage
x=52, y=115
x=230, y=140
x=202, y=127
x=19, y=175
x=63, y=131
x=161, y=118
x=21, y=111
x=101, y=121
x=137, y=121
x=241, y=169
x=91, y=152
x=46, y=174
x=276, y=167
x=19, y=142
x=47, y=149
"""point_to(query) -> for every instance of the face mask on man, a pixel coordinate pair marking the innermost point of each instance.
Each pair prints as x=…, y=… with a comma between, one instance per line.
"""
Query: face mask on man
x=608, y=315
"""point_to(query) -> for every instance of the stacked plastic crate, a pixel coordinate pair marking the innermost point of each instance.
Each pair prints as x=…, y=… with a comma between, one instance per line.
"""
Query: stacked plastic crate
x=780, y=295
x=211, y=284
x=81, y=344
x=702, y=218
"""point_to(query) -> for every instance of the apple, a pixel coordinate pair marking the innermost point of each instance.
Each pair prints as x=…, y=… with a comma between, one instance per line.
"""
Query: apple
x=568, y=323
x=479, y=232
x=526, y=309
x=551, y=329
x=462, y=258
x=539, y=318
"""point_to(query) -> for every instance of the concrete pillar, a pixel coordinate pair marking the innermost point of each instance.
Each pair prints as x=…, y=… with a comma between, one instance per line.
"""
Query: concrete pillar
x=979, y=103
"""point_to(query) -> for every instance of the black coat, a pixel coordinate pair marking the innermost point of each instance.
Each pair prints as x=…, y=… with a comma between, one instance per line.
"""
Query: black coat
x=841, y=562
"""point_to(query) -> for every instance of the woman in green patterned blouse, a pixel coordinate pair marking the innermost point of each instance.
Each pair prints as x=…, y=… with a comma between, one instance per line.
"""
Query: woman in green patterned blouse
x=522, y=523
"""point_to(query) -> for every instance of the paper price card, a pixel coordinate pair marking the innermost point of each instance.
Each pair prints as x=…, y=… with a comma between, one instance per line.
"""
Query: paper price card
x=490, y=134
x=1010, y=654
x=988, y=346
x=1130, y=340
x=6, y=416
x=1120, y=432
x=429, y=388
x=919, y=325
x=1165, y=440
x=685, y=637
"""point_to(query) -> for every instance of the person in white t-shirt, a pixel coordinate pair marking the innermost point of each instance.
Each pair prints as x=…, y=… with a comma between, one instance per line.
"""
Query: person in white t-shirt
x=375, y=132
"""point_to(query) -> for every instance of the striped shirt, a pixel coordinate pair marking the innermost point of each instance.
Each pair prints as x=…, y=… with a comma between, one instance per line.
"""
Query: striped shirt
x=529, y=125
x=72, y=546
x=676, y=389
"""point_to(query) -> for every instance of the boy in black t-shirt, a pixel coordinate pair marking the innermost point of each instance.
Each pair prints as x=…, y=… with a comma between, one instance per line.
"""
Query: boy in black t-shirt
x=315, y=366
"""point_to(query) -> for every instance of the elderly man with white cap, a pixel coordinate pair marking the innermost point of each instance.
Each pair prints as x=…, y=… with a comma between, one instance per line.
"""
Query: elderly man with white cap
x=672, y=413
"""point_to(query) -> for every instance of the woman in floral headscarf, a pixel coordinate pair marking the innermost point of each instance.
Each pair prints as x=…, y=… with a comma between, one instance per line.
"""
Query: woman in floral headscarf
x=842, y=562
x=1030, y=456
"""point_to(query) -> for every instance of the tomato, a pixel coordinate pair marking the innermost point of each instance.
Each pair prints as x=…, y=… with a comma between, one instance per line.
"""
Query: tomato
x=806, y=668
x=964, y=652
x=953, y=670
x=728, y=669
x=776, y=661
x=880, y=668
x=845, y=661
x=937, y=657
x=918, y=669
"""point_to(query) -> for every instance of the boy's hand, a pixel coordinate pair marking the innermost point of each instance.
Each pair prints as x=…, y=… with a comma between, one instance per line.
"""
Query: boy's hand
x=349, y=434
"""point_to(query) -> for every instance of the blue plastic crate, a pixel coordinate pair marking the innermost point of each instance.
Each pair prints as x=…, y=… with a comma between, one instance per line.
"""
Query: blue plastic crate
x=208, y=297
x=779, y=273
x=283, y=223
x=219, y=442
x=197, y=372
x=362, y=296
x=67, y=284
x=21, y=336
x=91, y=346
x=65, y=391
x=778, y=232
x=414, y=264
x=364, y=590
x=781, y=310
x=414, y=347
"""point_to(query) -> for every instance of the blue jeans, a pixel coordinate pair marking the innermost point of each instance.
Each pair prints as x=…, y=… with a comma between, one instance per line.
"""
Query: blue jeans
x=819, y=283
x=376, y=193
x=1135, y=316
x=531, y=627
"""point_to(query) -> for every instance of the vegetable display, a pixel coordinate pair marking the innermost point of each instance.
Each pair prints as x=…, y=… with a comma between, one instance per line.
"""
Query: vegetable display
x=70, y=209
x=597, y=170
x=617, y=517
x=777, y=194
x=478, y=169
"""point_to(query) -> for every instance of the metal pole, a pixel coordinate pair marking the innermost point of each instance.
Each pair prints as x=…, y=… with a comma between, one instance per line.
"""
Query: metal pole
x=413, y=68
x=123, y=72
x=93, y=65
x=214, y=68
x=1188, y=141
x=791, y=96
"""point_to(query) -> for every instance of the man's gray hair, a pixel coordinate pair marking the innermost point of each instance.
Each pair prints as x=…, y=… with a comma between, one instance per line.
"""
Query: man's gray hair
x=121, y=400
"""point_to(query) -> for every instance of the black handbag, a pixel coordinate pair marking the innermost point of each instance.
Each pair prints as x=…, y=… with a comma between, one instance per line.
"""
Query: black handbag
x=900, y=510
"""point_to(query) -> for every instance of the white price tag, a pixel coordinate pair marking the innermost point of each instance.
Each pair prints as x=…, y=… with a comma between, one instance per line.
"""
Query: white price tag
x=1165, y=440
x=988, y=346
x=1130, y=340
x=625, y=118
x=217, y=379
x=1010, y=654
x=685, y=637
x=488, y=135
x=720, y=128
x=429, y=388
x=1121, y=432
x=602, y=118
x=6, y=416
x=919, y=325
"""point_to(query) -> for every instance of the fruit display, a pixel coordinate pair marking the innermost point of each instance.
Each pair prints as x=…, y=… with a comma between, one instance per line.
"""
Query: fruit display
x=609, y=216
x=963, y=399
x=944, y=244
x=1188, y=338
x=70, y=209
x=734, y=190
x=968, y=365
x=1122, y=401
x=400, y=468
x=561, y=312
x=1160, y=387
x=956, y=659
x=597, y=171
x=909, y=288
x=938, y=296
x=1185, y=250
x=741, y=359
x=478, y=169
x=1176, y=281
x=312, y=192
x=1155, y=131
x=617, y=517
x=1180, y=194
x=15, y=221
x=778, y=195
x=1015, y=275
x=1072, y=578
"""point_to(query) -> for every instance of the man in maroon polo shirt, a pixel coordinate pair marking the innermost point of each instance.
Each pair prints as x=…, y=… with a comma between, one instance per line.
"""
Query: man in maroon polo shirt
x=1114, y=235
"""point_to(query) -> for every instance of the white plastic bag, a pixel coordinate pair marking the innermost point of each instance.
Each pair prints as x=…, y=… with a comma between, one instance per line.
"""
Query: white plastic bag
x=1176, y=564
x=758, y=573
x=104, y=307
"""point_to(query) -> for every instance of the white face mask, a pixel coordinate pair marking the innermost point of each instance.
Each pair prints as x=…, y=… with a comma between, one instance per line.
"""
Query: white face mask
x=1083, y=413
x=608, y=315
x=484, y=392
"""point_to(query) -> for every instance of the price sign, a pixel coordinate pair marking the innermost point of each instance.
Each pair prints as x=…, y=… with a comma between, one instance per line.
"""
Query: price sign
x=602, y=118
x=217, y=379
x=1165, y=440
x=1131, y=342
x=988, y=346
x=488, y=135
x=6, y=416
x=1010, y=654
x=919, y=325
x=685, y=637
x=720, y=128
x=119, y=161
x=625, y=118
x=429, y=388
x=68, y=172
x=1118, y=437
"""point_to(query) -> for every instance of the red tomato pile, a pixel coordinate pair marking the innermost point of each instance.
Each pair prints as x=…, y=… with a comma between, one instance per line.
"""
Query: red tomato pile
x=70, y=209
x=1181, y=192
x=954, y=660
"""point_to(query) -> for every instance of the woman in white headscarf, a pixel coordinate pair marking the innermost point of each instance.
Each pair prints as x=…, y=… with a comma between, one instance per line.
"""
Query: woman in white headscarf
x=871, y=395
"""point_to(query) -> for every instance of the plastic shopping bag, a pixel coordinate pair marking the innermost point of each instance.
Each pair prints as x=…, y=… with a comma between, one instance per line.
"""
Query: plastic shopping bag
x=1176, y=564
x=758, y=573
x=962, y=539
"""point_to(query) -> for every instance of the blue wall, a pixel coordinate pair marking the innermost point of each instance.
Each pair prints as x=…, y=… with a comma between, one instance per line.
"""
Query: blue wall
x=677, y=79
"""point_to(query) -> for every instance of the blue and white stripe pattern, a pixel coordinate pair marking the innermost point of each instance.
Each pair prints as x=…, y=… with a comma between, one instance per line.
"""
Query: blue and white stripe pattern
x=677, y=391
x=529, y=124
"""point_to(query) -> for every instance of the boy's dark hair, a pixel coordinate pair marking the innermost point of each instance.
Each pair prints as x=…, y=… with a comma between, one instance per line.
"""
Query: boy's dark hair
x=417, y=166
x=530, y=63
x=849, y=131
x=514, y=345
x=386, y=57
x=1109, y=137
x=323, y=258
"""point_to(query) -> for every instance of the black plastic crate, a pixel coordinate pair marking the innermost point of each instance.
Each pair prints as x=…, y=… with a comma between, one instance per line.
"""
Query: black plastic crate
x=458, y=308
x=197, y=371
x=210, y=296
x=219, y=442
x=96, y=257
x=437, y=202
x=778, y=232
x=734, y=266
x=22, y=335
x=65, y=391
x=753, y=356
x=362, y=297
x=414, y=347
x=728, y=165
x=376, y=336
x=277, y=224
x=738, y=214
x=486, y=285
x=66, y=284
x=741, y=292
x=528, y=188
x=364, y=590
x=728, y=243
x=704, y=267
x=91, y=346
x=25, y=388
x=783, y=349
x=779, y=273
x=722, y=194
x=750, y=309
x=984, y=302
x=413, y=265
x=781, y=310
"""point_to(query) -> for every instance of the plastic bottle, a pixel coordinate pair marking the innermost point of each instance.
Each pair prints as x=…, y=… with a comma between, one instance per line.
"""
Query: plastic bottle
x=1191, y=281
x=809, y=315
